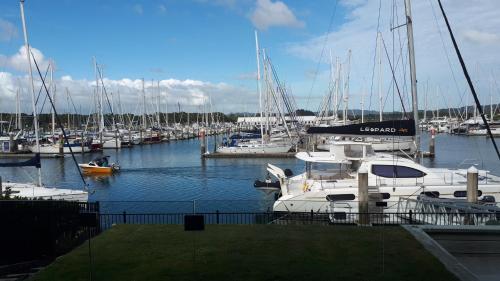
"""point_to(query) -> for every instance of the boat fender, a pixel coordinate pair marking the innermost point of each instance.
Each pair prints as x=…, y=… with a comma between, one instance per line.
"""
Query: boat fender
x=305, y=187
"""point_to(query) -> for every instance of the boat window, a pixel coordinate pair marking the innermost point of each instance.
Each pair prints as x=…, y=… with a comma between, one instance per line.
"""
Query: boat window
x=385, y=195
x=353, y=150
x=463, y=193
x=340, y=197
x=394, y=171
x=432, y=194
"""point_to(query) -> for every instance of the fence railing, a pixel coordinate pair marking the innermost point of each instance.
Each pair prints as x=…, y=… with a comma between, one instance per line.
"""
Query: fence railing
x=108, y=220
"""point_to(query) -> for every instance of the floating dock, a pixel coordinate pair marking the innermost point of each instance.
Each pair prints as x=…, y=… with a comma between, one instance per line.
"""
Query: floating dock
x=249, y=155
x=28, y=155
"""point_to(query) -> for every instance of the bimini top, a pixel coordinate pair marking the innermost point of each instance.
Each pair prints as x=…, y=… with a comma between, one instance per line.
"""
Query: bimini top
x=401, y=128
x=341, y=152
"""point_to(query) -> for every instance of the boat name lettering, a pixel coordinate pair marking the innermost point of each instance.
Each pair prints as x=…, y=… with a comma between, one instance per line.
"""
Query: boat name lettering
x=381, y=130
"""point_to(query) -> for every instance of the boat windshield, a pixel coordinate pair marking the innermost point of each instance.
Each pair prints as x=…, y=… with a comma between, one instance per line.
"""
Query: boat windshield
x=356, y=150
x=327, y=171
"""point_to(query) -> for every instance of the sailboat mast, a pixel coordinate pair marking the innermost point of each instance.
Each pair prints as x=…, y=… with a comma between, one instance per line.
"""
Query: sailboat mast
x=413, y=74
x=32, y=87
x=257, y=56
x=158, y=105
x=336, y=96
x=53, y=92
x=143, y=106
x=346, y=93
x=379, y=49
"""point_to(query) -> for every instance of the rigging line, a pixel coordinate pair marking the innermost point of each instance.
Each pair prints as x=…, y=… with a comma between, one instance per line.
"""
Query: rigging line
x=445, y=50
x=40, y=91
x=375, y=56
x=469, y=81
x=393, y=76
x=332, y=17
x=59, y=121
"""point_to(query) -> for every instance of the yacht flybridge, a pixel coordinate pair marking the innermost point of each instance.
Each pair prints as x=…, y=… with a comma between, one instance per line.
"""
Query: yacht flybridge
x=330, y=180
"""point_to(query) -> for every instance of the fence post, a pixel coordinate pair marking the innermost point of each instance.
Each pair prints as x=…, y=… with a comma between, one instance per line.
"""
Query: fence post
x=411, y=217
x=217, y=216
x=364, y=216
x=312, y=215
x=124, y=217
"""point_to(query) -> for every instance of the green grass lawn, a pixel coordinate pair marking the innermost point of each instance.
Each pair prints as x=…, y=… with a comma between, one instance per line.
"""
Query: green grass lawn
x=250, y=252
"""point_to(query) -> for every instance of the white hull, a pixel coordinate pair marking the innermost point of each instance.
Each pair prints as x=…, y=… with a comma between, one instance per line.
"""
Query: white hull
x=255, y=149
x=396, y=145
x=31, y=191
x=54, y=149
x=317, y=202
x=112, y=144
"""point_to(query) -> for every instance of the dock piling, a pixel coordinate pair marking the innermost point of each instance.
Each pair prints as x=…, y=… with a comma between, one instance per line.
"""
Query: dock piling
x=432, y=144
x=202, y=142
x=364, y=216
x=61, y=145
x=1, y=188
x=472, y=184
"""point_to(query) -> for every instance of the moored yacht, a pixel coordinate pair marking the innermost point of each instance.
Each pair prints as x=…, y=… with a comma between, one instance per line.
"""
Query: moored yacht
x=330, y=180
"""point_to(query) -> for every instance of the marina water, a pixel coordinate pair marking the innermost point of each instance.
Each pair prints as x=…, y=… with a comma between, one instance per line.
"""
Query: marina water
x=172, y=177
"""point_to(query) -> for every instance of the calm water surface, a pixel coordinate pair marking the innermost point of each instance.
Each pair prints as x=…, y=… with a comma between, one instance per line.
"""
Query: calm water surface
x=174, y=171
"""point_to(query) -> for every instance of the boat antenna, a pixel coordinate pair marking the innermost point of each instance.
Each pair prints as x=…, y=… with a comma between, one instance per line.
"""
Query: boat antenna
x=32, y=87
x=59, y=123
x=469, y=81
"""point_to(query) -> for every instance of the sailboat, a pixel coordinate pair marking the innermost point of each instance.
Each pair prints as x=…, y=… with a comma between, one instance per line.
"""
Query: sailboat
x=266, y=143
x=330, y=182
x=29, y=190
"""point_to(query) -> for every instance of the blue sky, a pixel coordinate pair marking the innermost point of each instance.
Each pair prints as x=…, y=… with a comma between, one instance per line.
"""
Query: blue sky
x=206, y=47
x=184, y=39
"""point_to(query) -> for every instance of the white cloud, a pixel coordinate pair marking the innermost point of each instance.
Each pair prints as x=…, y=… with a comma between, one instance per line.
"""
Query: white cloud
x=268, y=14
x=8, y=31
x=189, y=93
x=19, y=61
x=479, y=37
x=475, y=24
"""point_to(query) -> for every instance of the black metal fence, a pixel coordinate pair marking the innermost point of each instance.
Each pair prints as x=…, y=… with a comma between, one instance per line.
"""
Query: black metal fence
x=341, y=218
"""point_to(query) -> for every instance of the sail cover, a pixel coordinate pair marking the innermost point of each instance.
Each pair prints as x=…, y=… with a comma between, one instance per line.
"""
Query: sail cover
x=402, y=128
x=35, y=161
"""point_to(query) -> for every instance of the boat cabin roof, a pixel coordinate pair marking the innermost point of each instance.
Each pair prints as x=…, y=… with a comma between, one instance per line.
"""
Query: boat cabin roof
x=341, y=152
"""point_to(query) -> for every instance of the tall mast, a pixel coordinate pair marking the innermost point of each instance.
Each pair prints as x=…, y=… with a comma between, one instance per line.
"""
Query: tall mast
x=143, y=106
x=363, y=107
x=52, y=91
x=413, y=74
x=379, y=49
x=437, y=98
x=491, y=108
x=158, y=105
x=268, y=89
x=346, y=93
x=425, y=102
x=166, y=109
x=466, y=107
x=32, y=87
x=69, y=110
x=336, y=96
x=257, y=56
